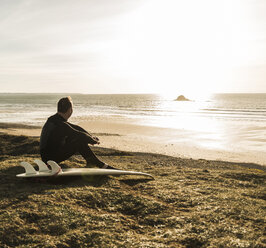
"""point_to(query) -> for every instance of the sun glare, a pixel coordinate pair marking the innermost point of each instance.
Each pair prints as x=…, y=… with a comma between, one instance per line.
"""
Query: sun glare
x=171, y=52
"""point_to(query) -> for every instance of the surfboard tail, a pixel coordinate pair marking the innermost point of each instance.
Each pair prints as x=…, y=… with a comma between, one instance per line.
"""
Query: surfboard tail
x=28, y=168
x=56, y=169
x=42, y=166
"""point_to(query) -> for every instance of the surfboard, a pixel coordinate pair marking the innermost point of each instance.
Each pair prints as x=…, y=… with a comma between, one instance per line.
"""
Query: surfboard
x=57, y=171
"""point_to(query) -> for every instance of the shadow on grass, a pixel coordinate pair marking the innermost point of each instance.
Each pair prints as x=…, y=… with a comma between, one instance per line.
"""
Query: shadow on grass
x=133, y=182
x=13, y=187
x=245, y=165
x=248, y=177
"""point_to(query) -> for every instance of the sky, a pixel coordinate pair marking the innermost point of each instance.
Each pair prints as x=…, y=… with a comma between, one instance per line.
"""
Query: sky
x=133, y=46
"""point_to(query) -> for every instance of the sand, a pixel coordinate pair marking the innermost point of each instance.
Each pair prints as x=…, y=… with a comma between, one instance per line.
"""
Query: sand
x=125, y=134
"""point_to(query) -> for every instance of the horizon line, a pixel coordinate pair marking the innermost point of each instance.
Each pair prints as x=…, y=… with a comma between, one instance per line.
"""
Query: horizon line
x=146, y=93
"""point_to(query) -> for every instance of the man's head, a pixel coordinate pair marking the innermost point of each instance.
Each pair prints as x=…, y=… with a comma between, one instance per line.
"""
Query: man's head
x=65, y=107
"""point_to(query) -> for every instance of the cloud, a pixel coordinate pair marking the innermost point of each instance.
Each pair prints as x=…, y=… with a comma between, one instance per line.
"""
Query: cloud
x=126, y=42
x=42, y=36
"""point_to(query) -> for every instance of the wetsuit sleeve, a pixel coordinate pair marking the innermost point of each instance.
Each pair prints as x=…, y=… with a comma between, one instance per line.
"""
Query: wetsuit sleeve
x=77, y=128
x=66, y=128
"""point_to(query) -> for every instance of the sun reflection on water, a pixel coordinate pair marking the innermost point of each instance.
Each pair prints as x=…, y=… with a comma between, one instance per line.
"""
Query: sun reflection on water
x=189, y=117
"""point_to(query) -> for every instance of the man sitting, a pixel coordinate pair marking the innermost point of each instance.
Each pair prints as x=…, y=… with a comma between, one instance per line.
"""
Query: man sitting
x=61, y=139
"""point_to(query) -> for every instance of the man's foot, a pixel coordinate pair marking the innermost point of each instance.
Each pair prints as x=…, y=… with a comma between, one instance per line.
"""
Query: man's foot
x=89, y=165
x=101, y=165
x=106, y=166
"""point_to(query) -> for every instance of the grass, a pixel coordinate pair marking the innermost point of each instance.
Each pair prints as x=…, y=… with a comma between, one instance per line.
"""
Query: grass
x=191, y=203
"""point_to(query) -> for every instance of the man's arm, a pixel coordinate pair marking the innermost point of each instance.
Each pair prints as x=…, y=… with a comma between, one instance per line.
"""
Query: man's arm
x=77, y=128
x=70, y=131
x=82, y=130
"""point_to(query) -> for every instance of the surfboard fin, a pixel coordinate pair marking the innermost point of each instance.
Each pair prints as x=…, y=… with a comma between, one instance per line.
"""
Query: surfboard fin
x=56, y=169
x=28, y=168
x=42, y=166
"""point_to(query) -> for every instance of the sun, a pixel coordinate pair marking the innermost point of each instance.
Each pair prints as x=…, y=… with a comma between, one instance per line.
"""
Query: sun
x=160, y=49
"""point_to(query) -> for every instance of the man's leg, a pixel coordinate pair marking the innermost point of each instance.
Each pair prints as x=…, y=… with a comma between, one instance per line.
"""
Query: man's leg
x=82, y=147
x=86, y=152
x=73, y=146
x=76, y=145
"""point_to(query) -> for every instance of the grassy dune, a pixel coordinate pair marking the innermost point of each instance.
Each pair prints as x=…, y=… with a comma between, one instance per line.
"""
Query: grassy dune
x=191, y=203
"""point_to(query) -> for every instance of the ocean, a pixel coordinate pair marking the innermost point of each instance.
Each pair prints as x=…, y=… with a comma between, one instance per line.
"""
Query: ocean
x=235, y=122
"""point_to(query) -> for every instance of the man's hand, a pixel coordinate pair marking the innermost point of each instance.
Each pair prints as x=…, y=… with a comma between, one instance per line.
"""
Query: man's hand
x=91, y=140
x=96, y=139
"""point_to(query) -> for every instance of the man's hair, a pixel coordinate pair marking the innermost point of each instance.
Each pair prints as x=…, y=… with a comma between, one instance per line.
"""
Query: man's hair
x=64, y=104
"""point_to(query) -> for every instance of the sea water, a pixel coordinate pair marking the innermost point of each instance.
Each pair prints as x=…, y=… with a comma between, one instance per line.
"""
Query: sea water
x=235, y=122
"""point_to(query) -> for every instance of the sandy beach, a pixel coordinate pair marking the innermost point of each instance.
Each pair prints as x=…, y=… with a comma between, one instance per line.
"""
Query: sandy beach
x=127, y=135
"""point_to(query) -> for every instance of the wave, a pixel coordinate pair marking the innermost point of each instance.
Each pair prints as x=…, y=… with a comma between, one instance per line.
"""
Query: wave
x=236, y=110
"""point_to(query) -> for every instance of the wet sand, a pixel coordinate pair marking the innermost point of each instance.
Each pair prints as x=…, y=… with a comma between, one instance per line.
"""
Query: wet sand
x=128, y=136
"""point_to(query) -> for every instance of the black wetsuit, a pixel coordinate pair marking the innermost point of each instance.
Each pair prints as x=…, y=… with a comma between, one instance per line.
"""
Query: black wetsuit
x=61, y=139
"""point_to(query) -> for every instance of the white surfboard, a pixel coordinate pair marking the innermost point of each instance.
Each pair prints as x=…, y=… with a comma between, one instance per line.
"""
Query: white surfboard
x=56, y=170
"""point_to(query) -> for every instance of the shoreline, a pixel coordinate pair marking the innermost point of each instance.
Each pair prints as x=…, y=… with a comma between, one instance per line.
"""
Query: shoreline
x=131, y=137
x=23, y=145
